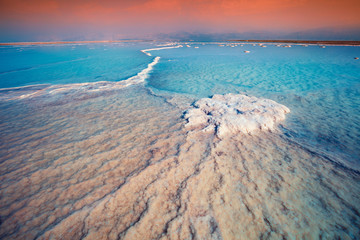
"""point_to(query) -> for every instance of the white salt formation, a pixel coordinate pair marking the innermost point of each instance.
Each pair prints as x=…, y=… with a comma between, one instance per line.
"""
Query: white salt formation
x=78, y=162
x=122, y=166
x=156, y=49
x=234, y=113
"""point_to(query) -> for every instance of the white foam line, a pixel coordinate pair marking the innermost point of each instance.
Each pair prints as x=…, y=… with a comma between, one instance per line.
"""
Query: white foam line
x=156, y=49
x=141, y=76
x=103, y=85
x=138, y=78
x=167, y=44
x=78, y=88
x=146, y=53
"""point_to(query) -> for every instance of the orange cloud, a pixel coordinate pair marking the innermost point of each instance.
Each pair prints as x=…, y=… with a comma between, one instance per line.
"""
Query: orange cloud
x=215, y=15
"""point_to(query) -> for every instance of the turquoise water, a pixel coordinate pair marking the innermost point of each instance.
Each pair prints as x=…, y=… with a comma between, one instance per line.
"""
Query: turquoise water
x=321, y=86
x=264, y=70
x=64, y=64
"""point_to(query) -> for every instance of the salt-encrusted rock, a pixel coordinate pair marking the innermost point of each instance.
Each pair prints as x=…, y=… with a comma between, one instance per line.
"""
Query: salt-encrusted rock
x=234, y=113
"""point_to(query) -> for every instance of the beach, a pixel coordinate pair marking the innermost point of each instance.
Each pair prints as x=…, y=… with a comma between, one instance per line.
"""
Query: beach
x=188, y=143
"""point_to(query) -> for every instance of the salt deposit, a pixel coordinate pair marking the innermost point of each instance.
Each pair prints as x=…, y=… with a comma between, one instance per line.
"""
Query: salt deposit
x=77, y=89
x=157, y=49
x=234, y=113
x=122, y=166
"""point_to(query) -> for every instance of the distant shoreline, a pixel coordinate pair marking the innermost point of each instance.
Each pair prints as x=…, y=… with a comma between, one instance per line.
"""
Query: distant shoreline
x=310, y=42
x=67, y=42
x=348, y=43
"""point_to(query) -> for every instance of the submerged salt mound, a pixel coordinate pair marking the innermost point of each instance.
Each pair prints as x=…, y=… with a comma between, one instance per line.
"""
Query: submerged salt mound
x=234, y=113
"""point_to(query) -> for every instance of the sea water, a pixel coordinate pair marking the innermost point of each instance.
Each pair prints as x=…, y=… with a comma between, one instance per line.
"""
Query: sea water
x=65, y=64
x=320, y=86
x=179, y=141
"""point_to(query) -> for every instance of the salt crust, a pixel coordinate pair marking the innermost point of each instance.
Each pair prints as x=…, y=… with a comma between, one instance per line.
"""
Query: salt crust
x=235, y=113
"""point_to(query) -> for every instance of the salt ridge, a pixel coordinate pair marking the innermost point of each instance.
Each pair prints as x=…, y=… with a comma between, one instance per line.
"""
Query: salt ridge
x=156, y=49
x=235, y=113
x=79, y=88
x=89, y=86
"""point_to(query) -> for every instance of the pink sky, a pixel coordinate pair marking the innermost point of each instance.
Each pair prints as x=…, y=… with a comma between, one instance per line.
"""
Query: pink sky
x=141, y=17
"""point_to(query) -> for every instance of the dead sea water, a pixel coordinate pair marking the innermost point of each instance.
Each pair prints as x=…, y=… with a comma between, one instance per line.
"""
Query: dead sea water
x=122, y=145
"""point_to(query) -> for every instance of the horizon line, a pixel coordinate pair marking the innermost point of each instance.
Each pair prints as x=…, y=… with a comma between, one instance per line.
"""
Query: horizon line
x=324, y=42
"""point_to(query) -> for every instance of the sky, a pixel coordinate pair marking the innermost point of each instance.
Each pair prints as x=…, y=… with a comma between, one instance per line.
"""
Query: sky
x=127, y=19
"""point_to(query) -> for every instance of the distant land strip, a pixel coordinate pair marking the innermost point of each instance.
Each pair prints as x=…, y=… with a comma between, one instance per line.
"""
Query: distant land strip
x=67, y=42
x=352, y=43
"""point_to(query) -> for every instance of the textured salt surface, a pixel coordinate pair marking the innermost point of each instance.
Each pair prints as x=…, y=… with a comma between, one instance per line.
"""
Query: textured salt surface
x=234, y=113
x=123, y=166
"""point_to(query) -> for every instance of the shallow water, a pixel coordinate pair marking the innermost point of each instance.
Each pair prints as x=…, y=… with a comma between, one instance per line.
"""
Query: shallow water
x=110, y=160
x=64, y=64
x=320, y=86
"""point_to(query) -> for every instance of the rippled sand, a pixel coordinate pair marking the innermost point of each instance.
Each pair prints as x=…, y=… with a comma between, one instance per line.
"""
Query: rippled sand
x=121, y=165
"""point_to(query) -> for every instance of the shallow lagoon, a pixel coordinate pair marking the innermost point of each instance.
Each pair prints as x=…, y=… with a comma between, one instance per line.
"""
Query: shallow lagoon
x=105, y=159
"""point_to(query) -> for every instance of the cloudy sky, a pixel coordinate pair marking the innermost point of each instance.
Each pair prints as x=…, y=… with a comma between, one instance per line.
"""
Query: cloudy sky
x=94, y=19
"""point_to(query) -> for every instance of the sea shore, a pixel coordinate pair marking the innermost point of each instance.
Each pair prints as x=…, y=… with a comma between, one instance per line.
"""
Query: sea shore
x=343, y=43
